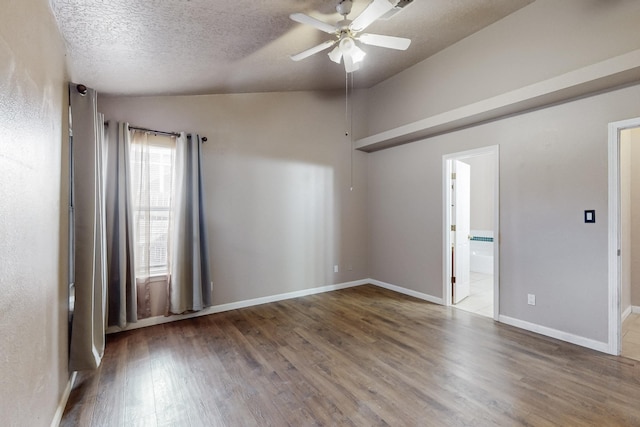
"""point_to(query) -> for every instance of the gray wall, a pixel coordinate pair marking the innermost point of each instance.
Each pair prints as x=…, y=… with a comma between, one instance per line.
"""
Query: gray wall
x=542, y=40
x=553, y=162
x=277, y=177
x=553, y=166
x=33, y=217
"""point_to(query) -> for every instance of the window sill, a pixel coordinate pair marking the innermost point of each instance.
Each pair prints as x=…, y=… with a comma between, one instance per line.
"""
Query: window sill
x=155, y=278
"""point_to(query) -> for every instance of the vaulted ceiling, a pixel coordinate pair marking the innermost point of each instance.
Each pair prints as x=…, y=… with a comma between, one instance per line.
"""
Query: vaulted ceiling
x=149, y=47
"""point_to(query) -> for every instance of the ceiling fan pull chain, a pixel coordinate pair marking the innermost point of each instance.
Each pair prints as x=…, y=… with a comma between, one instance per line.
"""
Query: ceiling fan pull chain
x=348, y=117
x=346, y=104
x=351, y=136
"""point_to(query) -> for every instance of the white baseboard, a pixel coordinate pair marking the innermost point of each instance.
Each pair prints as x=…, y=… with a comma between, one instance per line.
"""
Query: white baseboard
x=158, y=320
x=626, y=313
x=406, y=291
x=288, y=295
x=635, y=309
x=57, y=417
x=554, y=333
x=543, y=330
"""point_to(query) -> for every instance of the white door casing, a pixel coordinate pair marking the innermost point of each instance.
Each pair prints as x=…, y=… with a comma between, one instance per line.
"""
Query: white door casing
x=614, y=338
x=448, y=239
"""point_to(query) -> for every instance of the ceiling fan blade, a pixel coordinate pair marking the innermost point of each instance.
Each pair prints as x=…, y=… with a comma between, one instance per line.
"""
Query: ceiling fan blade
x=315, y=49
x=375, y=10
x=390, y=42
x=316, y=23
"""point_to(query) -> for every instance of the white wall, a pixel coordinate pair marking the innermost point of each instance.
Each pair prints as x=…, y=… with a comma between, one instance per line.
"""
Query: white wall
x=483, y=177
x=277, y=177
x=553, y=162
x=33, y=217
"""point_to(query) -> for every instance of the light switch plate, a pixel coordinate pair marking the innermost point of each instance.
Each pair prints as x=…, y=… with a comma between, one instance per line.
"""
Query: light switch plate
x=590, y=216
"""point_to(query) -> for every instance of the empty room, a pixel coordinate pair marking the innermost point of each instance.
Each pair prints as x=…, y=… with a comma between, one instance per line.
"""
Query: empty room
x=346, y=212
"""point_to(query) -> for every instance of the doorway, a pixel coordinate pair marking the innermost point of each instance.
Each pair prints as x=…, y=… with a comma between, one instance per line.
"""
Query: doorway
x=624, y=238
x=471, y=230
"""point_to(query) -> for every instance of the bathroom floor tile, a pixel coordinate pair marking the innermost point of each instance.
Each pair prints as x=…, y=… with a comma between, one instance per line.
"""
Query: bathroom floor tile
x=480, y=299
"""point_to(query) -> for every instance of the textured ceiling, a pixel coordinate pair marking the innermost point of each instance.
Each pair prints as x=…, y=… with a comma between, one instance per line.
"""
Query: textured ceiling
x=148, y=47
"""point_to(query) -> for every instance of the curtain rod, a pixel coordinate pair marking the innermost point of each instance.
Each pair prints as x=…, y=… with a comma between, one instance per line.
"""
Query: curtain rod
x=159, y=132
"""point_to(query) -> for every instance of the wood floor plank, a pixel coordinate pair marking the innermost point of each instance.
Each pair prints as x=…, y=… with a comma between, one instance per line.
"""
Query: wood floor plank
x=358, y=356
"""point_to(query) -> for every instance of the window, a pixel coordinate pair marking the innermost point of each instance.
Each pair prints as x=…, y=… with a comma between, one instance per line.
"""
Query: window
x=152, y=164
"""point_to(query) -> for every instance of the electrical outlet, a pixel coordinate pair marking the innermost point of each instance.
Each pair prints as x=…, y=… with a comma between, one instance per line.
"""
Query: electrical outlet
x=531, y=299
x=335, y=268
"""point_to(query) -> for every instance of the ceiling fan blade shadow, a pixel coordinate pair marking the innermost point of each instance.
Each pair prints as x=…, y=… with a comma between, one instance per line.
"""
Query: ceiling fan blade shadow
x=306, y=53
x=390, y=42
x=375, y=10
x=316, y=23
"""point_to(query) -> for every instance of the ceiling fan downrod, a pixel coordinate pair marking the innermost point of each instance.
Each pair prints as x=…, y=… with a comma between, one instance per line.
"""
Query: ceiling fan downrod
x=344, y=7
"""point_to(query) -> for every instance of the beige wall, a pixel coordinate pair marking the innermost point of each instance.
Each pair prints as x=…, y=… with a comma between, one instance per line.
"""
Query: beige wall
x=625, y=220
x=634, y=214
x=33, y=297
x=277, y=177
x=629, y=218
x=553, y=162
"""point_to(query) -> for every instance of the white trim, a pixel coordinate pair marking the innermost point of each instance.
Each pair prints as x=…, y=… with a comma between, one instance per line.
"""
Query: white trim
x=614, y=339
x=635, y=309
x=57, y=417
x=158, y=320
x=446, y=215
x=626, y=314
x=410, y=292
x=554, y=333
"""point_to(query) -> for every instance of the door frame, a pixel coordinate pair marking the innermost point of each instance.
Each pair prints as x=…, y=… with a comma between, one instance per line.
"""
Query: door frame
x=615, y=337
x=446, y=197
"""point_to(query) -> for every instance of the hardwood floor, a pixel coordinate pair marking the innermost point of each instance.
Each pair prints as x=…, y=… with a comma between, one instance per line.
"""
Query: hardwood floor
x=631, y=337
x=360, y=356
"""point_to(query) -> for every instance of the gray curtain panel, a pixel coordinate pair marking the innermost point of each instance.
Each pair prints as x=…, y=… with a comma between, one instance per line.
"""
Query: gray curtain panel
x=88, y=323
x=122, y=305
x=190, y=278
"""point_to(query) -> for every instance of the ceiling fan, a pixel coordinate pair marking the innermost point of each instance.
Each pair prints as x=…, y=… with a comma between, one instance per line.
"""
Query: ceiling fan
x=348, y=32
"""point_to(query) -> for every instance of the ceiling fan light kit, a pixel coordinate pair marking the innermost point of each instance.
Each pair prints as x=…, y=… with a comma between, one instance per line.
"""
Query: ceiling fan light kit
x=347, y=32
